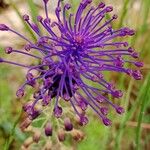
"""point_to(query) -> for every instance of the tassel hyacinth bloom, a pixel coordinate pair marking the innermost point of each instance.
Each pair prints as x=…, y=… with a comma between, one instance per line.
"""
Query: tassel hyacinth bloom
x=79, y=48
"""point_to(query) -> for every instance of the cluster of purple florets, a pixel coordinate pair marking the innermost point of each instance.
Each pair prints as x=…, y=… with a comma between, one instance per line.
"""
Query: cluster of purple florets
x=78, y=49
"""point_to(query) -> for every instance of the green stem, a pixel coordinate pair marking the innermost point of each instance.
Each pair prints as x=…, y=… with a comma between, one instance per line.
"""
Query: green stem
x=143, y=106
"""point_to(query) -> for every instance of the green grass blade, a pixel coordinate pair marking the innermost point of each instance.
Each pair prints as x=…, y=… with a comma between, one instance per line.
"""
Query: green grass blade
x=124, y=12
x=11, y=137
x=27, y=28
x=145, y=98
x=33, y=10
x=127, y=97
x=129, y=115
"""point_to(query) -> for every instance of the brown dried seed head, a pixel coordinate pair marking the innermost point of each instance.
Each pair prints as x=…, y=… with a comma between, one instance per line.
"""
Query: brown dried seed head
x=77, y=135
x=25, y=124
x=28, y=142
x=36, y=136
x=61, y=135
x=48, y=146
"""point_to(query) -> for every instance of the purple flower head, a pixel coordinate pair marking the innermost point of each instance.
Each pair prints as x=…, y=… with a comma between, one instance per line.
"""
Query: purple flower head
x=77, y=50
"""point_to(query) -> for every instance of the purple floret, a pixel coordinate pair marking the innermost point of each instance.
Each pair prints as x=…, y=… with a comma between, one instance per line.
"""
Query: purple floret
x=77, y=49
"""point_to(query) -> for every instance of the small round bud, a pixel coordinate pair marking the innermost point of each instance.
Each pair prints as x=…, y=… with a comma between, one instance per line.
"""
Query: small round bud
x=61, y=135
x=20, y=93
x=131, y=32
x=8, y=50
x=109, y=9
x=104, y=110
x=129, y=72
x=130, y=50
x=48, y=129
x=135, y=55
x=119, y=110
x=68, y=125
x=68, y=6
x=47, y=20
x=34, y=114
x=27, y=47
x=39, y=18
x=58, y=111
x=3, y=27
x=137, y=75
x=83, y=120
x=83, y=105
x=117, y=93
x=66, y=97
x=58, y=9
x=29, y=76
x=45, y=1
x=101, y=5
x=36, y=137
x=106, y=121
x=46, y=100
x=26, y=17
x=1, y=60
x=115, y=16
x=139, y=64
x=125, y=44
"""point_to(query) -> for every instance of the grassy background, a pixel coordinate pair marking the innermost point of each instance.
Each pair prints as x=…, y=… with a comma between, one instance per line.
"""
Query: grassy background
x=129, y=131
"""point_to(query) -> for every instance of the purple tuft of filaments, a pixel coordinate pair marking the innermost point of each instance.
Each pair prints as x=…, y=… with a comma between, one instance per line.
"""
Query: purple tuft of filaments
x=77, y=49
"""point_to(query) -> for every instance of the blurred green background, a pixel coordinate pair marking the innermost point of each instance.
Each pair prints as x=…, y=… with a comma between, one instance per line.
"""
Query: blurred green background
x=129, y=131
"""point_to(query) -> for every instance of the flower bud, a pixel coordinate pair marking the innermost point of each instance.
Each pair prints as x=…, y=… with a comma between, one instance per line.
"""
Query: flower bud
x=109, y=8
x=20, y=93
x=1, y=60
x=25, y=124
x=48, y=129
x=34, y=114
x=8, y=50
x=101, y=5
x=36, y=136
x=58, y=111
x=106, y=121
x=28, y=142
x=39, y=18
x=139, y=64
x=83, y=120
x=135, y=55
x=104, y=110
x=27, y=47
x=46, y=100
x=130, y=50
x=119, y=110
x=117, y=93
x=61, y=135
x=29, y=76
x=45, y=1
x=3, y=27
x=68, y=125
x=26, y=17
x=137, y=75
x=77, y=135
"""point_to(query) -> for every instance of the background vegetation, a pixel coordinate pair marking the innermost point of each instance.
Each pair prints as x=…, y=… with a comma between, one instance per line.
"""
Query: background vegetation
x=129, y=131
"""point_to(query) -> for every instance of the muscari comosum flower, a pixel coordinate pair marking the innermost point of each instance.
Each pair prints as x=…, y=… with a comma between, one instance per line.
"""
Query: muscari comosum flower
x=79, y=48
